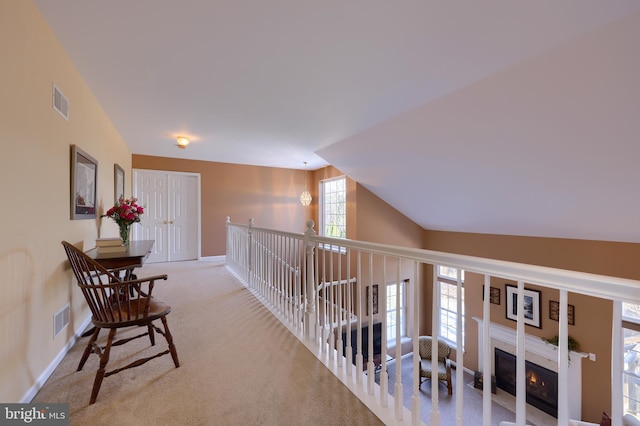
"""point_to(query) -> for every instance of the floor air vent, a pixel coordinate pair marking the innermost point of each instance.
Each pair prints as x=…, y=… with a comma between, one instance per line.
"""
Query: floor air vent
x=61, y=320
x=60, y=103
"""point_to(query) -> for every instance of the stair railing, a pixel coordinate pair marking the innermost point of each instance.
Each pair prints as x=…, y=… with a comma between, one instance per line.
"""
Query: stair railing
x=285, y=271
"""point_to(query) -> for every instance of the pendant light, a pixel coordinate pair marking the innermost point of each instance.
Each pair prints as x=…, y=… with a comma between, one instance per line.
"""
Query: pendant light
x=305, y=197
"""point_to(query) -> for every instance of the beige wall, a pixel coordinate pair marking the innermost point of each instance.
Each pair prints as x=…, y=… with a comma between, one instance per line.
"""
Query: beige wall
x=269, y=195
x=592, y=315
x=35, y=176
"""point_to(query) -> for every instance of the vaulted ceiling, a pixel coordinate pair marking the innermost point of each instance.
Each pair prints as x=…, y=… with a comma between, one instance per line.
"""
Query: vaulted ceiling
x=500, y=117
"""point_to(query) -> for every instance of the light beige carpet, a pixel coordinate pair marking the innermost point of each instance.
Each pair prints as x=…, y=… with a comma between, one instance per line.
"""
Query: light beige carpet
x=239, y=365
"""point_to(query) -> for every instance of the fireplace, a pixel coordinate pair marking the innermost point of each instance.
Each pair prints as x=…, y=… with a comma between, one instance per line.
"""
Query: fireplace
x=541, y=387
x=537, y=351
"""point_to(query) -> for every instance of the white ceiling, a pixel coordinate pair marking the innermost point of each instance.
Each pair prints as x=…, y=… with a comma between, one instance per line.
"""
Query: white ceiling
x=496, y=116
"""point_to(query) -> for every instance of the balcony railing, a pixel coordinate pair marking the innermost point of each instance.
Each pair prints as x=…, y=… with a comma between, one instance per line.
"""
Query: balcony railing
x=317, y=287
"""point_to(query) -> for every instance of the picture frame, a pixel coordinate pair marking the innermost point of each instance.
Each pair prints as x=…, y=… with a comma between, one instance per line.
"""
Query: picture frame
x=375, y=299
x=118, y=182
x=554, y=312
x=494, y=295
x=84, y=184
x=531, y=305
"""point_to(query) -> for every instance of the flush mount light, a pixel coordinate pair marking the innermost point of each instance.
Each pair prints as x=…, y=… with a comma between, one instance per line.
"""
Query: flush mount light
x=182, y=142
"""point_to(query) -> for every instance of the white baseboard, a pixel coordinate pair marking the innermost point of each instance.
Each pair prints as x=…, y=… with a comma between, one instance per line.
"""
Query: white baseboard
x=469, y=371
x=31, y=393
x=221, y=258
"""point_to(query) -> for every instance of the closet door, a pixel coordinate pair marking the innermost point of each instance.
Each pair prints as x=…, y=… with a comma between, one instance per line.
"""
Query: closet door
x=172, y=214
x=151, y=190
x=183, y=223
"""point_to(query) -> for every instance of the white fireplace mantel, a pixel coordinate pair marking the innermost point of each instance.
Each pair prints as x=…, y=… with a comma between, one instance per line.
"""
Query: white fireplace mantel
x=537, y=351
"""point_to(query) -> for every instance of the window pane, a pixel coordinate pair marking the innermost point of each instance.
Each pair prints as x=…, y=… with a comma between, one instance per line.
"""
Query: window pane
x=631, y=311
x=394, y=294
x=445, y=271
x=449, y=309
x=333, y=208
x=631, y=372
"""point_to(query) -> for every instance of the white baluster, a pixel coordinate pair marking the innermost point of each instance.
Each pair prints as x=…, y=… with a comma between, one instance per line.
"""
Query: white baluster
x=435, y=331
x=371, y=367
x=310, y=288
x=349, y=352
x=617, y=349
x=323, y=313
x=339, y=343
x=359, y=359
x=398, y=388
x=416, y=402
x=459, y=353
x=384, y=377
x=521, y=401
x=486, y=356
x=332, y=306
x=563, y=361
x=249, y=248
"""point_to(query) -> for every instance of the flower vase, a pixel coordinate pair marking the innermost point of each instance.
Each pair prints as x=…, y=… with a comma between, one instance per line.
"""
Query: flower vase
x=125, y=231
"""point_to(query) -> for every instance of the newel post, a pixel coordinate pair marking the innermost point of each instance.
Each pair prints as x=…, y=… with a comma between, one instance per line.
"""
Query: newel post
x=311, y=290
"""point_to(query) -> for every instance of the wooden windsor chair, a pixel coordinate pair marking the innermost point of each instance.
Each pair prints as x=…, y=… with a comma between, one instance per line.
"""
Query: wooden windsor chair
x=116, y=303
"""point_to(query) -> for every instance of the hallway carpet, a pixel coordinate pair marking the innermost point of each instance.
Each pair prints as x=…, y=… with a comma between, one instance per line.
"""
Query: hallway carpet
x=239, y=365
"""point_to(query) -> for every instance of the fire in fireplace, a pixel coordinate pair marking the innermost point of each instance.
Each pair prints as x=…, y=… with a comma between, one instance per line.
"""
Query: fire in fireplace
x=542, y=383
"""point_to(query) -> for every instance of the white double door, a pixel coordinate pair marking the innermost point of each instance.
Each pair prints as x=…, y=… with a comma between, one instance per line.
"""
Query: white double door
x=172, y=213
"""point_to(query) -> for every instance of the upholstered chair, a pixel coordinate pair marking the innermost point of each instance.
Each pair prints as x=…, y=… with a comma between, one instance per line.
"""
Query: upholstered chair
x=443, y=365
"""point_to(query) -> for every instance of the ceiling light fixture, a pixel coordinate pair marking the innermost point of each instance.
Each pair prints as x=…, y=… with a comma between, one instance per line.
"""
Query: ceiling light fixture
x=305, y=197
x=182, y=142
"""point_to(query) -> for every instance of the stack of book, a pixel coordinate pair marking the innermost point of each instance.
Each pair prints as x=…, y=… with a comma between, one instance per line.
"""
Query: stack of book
x=110, y=245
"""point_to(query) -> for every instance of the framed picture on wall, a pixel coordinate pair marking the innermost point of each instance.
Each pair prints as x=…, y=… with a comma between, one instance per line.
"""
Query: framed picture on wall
x=375, y=299
x=118, y=182
x=554, y=312
x=531, y=305
x=494, y=295
x=84, y=184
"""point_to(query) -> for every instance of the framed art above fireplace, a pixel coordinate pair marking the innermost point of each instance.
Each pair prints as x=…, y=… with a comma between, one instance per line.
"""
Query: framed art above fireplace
x=531, y=305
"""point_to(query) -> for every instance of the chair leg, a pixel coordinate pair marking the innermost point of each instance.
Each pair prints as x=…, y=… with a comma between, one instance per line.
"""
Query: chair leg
x=172, y=347
x=89, y=348
x=104, y=360
x=152, y=336
x=449, y=385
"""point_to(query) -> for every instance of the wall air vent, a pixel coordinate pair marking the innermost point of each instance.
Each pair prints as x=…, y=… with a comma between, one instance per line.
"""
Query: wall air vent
x=61, y=320
x=60, y=103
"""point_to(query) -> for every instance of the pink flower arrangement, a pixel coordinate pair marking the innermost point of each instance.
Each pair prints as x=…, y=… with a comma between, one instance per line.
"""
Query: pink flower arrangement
x=125, y=211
